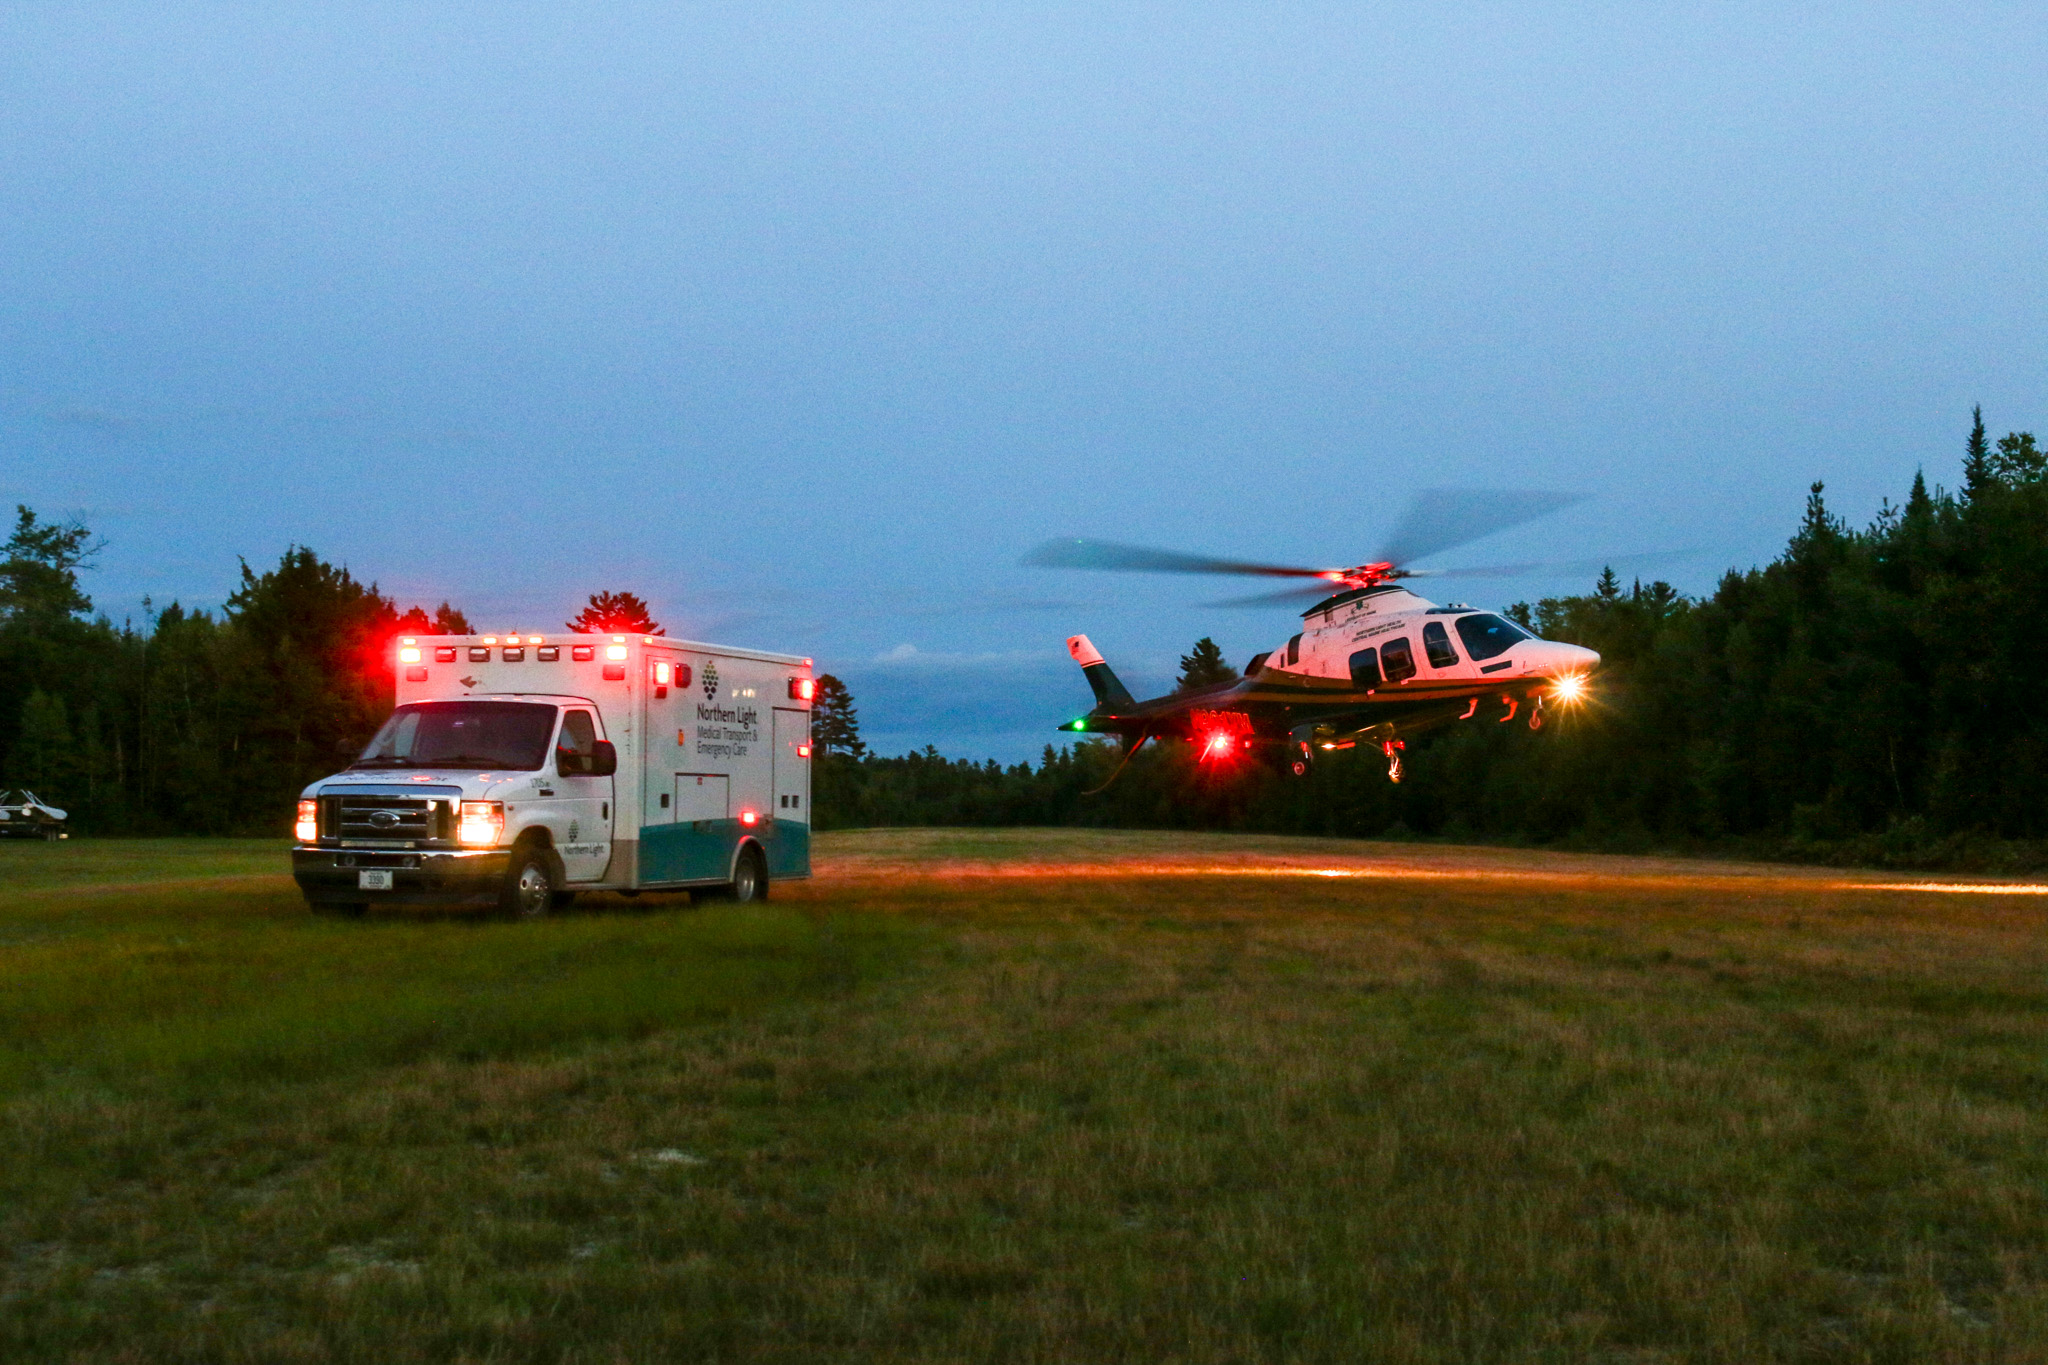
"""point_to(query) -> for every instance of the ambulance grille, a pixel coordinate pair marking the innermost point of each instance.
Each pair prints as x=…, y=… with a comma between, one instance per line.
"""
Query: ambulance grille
x=385, y=817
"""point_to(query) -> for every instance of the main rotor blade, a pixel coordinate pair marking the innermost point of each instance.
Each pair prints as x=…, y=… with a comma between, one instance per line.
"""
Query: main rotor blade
x=1075, y=553
x=1442, y=519
x=1550, y=566
x=1296, y=597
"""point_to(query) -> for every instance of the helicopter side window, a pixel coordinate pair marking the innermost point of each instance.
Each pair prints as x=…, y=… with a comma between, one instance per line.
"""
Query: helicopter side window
x=1486, y=635
x=1365, y=668
x=1436, y=642
x=1294, y=651
x=1398, y=658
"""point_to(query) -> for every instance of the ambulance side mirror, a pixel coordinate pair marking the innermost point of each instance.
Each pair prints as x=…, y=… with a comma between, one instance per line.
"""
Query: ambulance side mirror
x=605, y=761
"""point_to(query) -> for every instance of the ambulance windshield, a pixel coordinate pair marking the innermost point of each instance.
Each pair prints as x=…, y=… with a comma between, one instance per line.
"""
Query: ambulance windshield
x=463, y=734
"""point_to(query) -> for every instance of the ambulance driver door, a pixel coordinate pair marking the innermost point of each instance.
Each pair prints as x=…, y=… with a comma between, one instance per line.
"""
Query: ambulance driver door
x=584, y=797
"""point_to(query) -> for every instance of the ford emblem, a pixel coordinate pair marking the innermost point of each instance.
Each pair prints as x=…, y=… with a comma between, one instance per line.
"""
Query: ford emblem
x=384, y=819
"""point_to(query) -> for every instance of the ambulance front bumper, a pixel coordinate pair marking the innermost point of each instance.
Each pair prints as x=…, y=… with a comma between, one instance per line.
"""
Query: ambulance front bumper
x=330, y=876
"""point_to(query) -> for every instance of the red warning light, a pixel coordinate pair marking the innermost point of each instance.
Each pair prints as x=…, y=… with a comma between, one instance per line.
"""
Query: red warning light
x=750, y=818
x=803, y=751
x=803, y=689
x=1219, y=734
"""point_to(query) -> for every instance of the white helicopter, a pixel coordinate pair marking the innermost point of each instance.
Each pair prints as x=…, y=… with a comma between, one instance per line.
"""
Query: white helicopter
x=1373, y=662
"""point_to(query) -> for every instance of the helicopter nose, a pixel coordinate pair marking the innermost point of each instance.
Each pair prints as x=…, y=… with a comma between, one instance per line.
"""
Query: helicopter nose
x=1561, y=658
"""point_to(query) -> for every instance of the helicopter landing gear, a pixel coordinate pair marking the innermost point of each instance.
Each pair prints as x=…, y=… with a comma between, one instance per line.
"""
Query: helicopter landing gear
x=1536, y=714
x=1392, y=749
x=1299, y=767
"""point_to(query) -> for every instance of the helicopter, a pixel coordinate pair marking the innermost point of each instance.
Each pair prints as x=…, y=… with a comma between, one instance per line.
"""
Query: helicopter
x=1373, y=663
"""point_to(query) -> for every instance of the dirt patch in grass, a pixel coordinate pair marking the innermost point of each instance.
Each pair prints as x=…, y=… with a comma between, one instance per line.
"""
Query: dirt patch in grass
x=1058, y=1095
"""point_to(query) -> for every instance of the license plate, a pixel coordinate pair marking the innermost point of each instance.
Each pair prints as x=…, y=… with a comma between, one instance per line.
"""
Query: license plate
x=373, y=881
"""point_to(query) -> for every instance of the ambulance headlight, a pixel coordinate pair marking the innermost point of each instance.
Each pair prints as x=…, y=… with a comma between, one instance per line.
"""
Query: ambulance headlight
x=307, y=828
x=480, y=824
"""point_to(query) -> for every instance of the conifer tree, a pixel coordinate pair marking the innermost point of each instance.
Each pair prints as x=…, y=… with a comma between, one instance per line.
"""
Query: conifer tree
x=1203, y=665
x=1977, y=473
x=835, y=725
x=622, y=613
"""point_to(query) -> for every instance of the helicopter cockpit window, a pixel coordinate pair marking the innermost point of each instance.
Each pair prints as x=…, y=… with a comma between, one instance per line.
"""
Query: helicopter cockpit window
x=1365, y=668
x=1486, y=635
x=1294, y=651
x=1436, y=642
x=1398, y=658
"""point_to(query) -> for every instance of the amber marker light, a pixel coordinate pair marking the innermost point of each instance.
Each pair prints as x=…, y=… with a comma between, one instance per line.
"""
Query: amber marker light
x=307, y=829
x=480, y=824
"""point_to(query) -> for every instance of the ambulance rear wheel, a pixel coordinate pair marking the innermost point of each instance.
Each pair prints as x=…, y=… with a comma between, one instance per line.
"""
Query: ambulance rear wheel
x=749, y=879
x=529, y=888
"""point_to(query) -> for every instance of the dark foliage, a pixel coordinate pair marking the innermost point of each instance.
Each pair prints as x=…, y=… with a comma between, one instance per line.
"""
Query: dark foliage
x=608, y=612
x=1203, y=665
x=1865, y=696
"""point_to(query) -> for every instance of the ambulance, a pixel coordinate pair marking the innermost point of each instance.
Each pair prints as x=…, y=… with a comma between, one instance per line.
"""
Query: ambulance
x=519, y=770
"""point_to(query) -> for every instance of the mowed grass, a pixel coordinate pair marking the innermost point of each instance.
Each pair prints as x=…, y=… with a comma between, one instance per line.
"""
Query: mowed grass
x=1027, y=1095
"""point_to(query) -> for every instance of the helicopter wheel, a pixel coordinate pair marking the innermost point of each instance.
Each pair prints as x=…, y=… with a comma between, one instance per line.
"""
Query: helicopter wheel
x=1536, y=715
x=1300, y=767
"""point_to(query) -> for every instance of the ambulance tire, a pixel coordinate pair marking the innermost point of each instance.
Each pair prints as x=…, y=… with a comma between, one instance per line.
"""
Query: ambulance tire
x=749, y=878
x=530, y=882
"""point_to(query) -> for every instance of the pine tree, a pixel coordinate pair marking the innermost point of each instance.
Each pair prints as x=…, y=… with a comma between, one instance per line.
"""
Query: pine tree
x=1203, y=665
x=835, y=726
x=1608, y=589
x=609, y=613
x=1977, y=473
x=39, y=576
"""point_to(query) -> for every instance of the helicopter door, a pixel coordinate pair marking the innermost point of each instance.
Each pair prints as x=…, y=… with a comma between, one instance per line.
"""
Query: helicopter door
x=1365, y=668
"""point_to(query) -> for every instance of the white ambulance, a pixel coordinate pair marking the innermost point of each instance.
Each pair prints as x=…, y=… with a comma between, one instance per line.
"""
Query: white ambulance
x=518, y=770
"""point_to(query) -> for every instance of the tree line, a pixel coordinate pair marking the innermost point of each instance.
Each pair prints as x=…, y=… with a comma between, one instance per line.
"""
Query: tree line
x=191, y=722
x=1866, y=695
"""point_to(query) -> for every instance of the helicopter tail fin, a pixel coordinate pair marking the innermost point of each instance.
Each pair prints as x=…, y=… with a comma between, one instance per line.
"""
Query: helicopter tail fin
x=1109, y=691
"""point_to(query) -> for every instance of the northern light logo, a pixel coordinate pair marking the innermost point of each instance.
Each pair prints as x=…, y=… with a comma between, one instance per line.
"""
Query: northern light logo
x=710, y=681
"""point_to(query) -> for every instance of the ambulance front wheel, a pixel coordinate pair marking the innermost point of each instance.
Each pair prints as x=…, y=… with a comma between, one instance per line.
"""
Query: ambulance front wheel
x=529, y=889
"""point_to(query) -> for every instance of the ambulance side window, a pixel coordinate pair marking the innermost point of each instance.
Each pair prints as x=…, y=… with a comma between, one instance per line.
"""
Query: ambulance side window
x=1398, y=658
x=1365, y=668
x=1436, y=641
x=578, y=744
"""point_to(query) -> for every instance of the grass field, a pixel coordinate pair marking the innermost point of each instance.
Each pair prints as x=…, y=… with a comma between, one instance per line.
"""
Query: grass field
x=1027, y=1095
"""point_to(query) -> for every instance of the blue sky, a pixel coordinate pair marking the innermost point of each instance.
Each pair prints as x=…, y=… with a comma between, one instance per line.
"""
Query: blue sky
x=807, y=321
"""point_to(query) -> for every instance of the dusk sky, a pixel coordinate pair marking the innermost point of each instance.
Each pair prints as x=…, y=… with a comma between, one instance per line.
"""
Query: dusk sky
x=807, y=322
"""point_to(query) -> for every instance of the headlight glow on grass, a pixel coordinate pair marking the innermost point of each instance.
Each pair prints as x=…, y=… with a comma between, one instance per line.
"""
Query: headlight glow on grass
x=481, y=823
